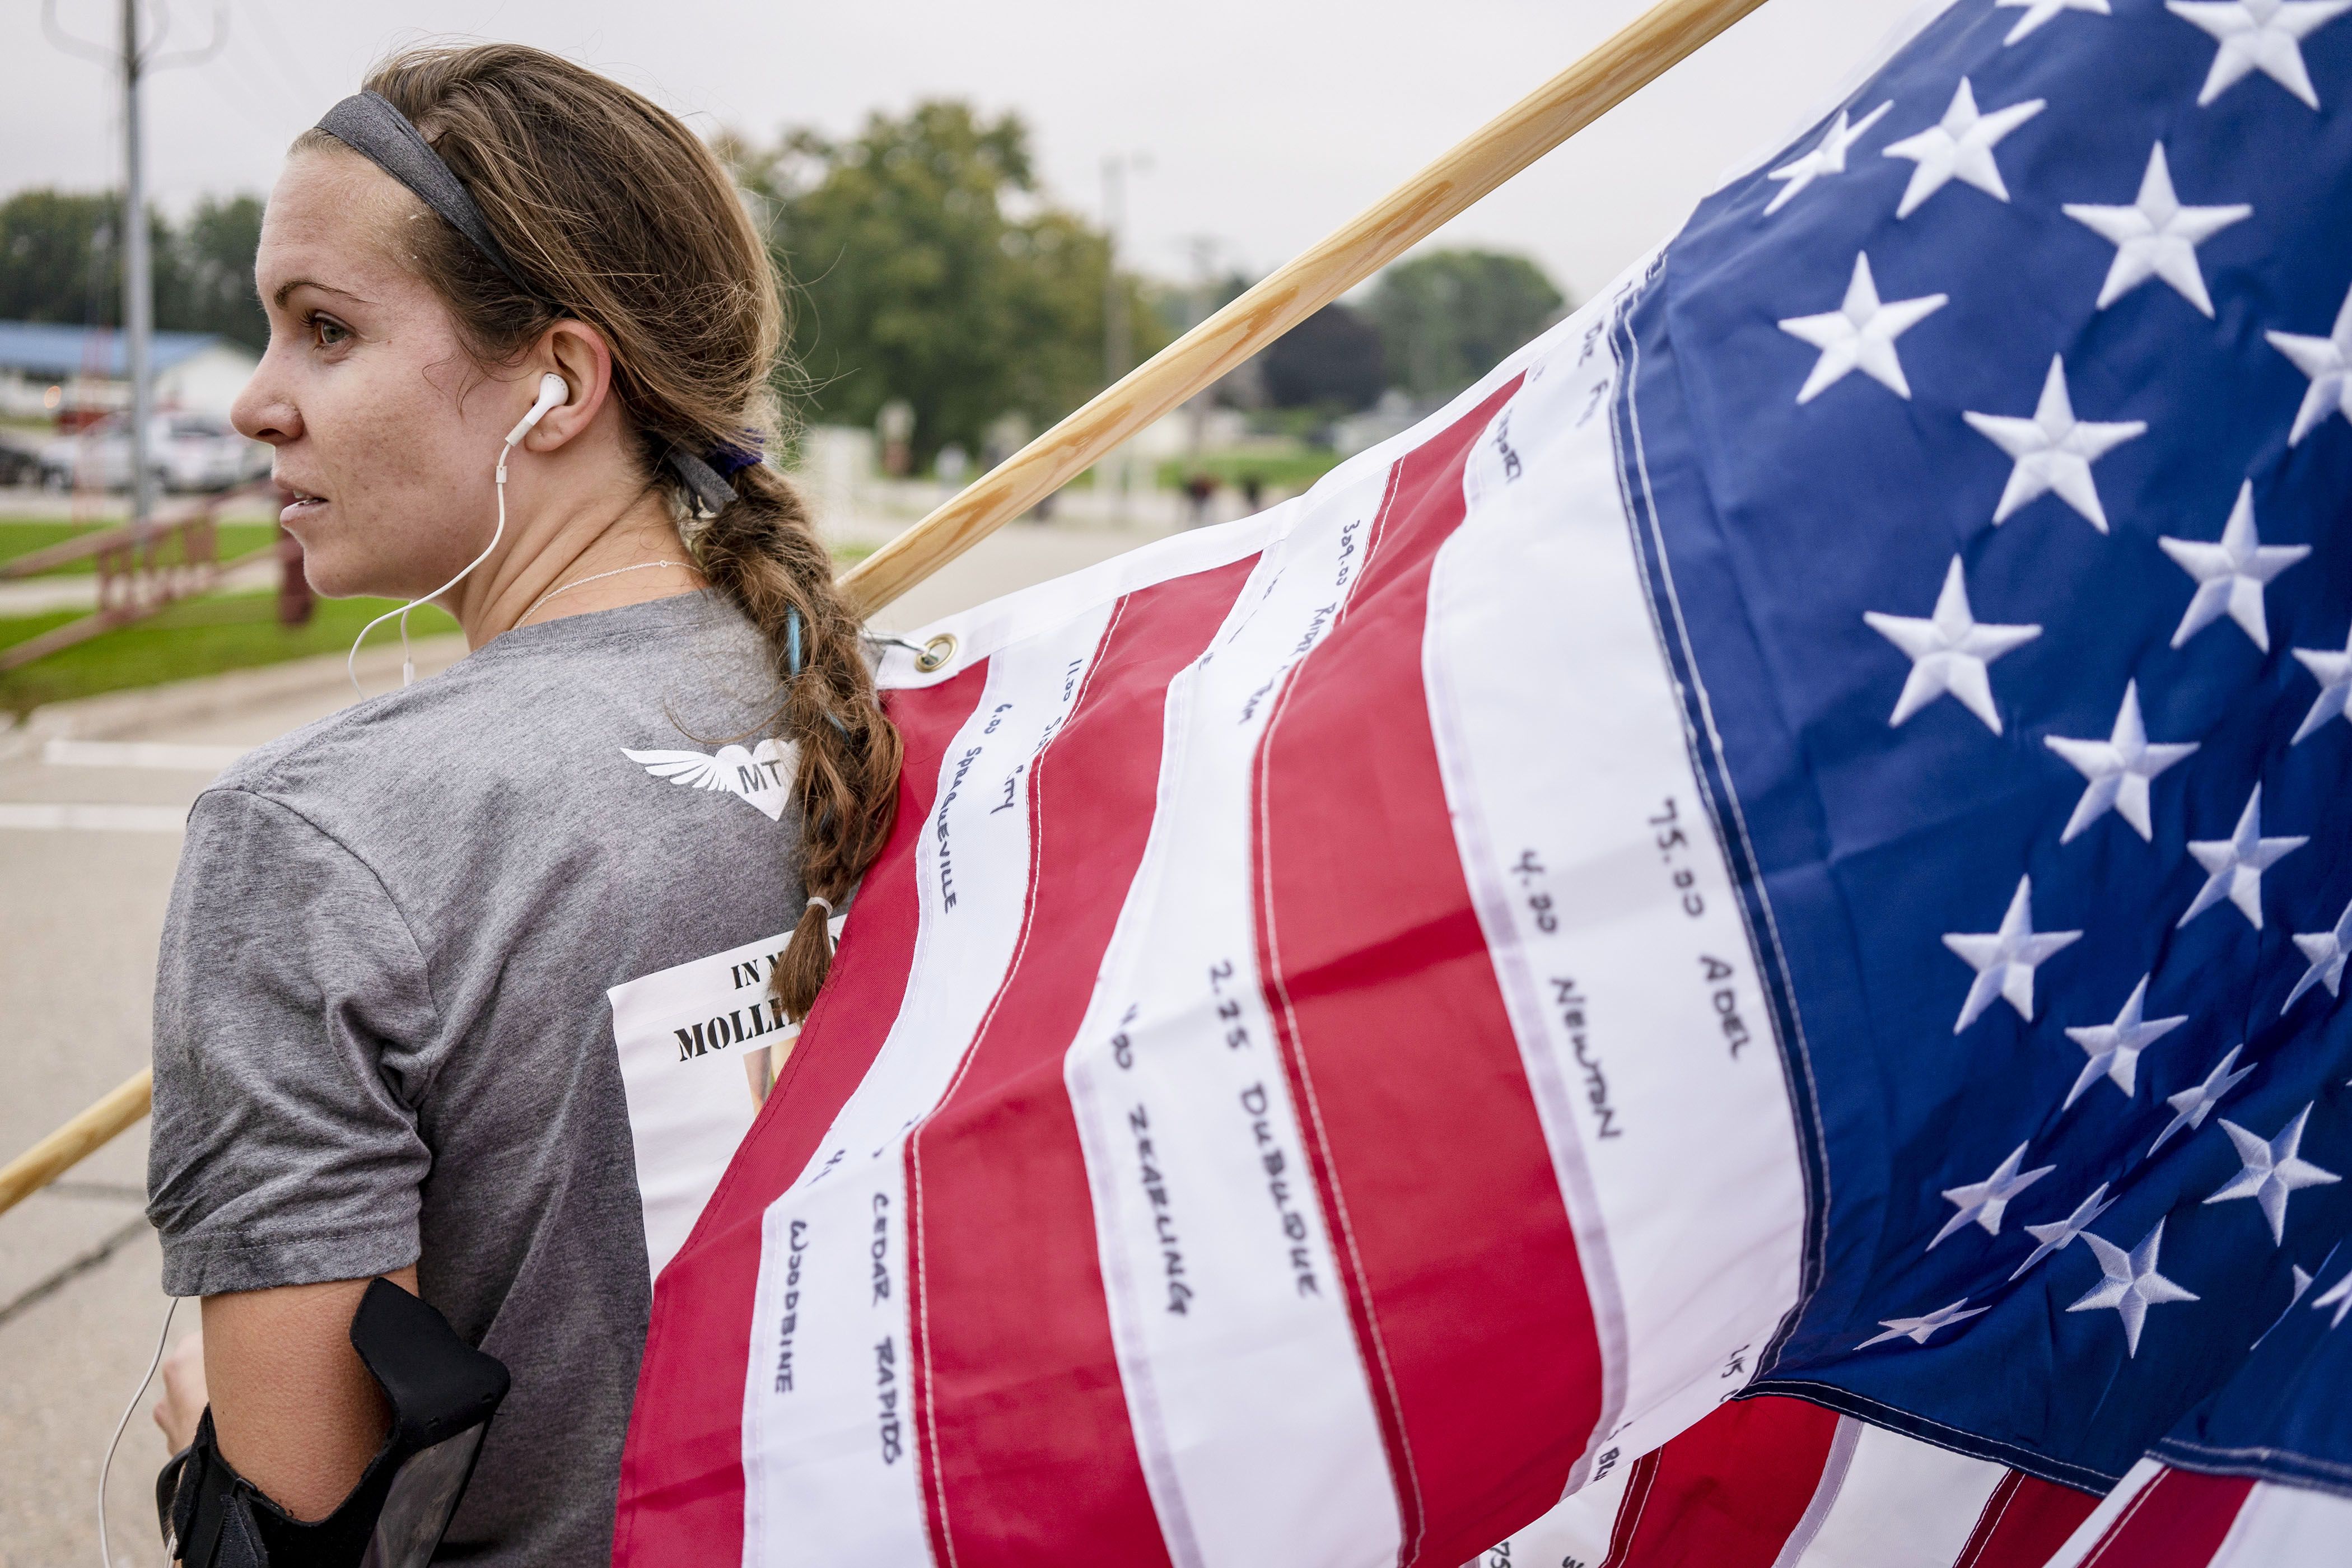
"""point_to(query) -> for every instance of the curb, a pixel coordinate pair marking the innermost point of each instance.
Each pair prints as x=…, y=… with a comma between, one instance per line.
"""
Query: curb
x=115, y=714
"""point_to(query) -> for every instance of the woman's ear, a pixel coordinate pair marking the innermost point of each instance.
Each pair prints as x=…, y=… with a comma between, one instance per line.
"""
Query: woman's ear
x=578, y=352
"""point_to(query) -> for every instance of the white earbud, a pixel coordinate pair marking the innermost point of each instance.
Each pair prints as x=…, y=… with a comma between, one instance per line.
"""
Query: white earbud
x=553, y=392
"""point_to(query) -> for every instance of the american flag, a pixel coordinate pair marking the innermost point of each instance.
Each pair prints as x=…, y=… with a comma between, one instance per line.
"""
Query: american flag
x=1788, y=844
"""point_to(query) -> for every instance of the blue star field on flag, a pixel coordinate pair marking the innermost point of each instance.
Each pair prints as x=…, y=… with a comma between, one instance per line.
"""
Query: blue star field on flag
x=1993, y=465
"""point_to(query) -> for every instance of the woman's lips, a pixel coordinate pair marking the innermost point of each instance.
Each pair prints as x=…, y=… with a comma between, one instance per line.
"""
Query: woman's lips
x=304, y=504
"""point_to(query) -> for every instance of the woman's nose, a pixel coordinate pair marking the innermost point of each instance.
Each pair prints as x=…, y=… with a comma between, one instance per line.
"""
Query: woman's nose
x=263, y=412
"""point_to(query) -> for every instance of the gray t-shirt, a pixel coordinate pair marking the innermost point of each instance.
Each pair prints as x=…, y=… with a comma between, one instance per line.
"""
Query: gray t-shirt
x=473, y=975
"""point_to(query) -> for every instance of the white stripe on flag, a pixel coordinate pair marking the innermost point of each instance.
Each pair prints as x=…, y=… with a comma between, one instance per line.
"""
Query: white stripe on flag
x=2287, y=1526
x=829, y=1465
x=1601, y=888
x=1828, y=1488
x=1577, y=1529
x=830, y=1469
x=1253, y=1420
x=2114, y=1506
x=1901, y=1503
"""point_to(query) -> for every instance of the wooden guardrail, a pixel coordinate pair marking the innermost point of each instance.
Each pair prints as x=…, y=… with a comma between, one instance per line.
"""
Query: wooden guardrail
x=140, y=569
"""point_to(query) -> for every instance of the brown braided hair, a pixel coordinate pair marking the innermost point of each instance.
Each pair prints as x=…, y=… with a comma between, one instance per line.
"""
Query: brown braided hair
x=612, y=213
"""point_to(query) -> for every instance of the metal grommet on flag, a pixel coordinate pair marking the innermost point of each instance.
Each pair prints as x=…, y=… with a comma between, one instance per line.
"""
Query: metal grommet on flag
x=936, y=653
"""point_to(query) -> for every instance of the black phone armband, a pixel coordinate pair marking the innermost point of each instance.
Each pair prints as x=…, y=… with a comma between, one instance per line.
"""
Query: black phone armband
x=442, y=1392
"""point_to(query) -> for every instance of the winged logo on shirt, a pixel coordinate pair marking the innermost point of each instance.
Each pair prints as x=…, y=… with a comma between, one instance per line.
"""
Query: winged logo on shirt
x=763, y=774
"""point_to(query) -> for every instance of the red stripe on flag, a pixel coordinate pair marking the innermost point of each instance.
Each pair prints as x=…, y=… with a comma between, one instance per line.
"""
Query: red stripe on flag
x=1729, y=1492
x=1027, y=1454
x=1468, y=1299
x=2025, y=1521
x=682, y=1471
x=2177, y=1520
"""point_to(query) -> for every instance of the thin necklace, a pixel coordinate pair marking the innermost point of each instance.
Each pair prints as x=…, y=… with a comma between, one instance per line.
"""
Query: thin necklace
x=581, y=583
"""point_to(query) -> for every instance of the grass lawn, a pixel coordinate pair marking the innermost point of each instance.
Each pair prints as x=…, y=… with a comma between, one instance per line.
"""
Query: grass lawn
x=234, y=539
x=200, y=637
x=1276, y=470
x=204, y=636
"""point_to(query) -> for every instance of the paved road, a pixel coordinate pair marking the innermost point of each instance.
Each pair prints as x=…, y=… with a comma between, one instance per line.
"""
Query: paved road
x=81, y=903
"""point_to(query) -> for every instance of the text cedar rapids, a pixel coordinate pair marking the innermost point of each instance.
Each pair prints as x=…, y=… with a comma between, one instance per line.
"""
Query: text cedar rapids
x=761, y=1016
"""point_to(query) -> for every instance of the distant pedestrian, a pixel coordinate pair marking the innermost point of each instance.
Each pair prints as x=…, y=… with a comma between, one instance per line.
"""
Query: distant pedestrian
x=951, y=465
x=1198, y=490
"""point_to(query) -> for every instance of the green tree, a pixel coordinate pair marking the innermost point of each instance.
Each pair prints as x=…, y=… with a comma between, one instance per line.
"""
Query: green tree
x=930, y=265
x=59, y=258
x=1331, y=361
x=212, y=273
x=1447, y=317
x=60, y=261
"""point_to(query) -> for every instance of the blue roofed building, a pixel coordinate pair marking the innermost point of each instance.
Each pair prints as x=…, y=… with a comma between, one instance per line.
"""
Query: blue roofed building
x=46, y=368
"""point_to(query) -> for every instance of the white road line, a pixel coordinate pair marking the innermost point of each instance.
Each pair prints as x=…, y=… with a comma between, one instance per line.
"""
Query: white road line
x=95, y=819
x=159, y=755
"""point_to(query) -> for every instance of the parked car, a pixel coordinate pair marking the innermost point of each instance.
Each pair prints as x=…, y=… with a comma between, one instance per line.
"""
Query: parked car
x=20, y=458
x=184, y=452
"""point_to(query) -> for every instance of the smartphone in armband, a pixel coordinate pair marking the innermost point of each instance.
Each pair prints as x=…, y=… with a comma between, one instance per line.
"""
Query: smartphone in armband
x=442, y=1393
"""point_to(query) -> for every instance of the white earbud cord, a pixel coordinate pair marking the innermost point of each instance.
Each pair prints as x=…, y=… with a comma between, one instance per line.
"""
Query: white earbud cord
x=407, y=661
x=106, y=1466
x=552, y=390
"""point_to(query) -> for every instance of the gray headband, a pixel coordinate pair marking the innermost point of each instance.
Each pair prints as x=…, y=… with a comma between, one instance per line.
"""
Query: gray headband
x=371, y=126
x=368, y=125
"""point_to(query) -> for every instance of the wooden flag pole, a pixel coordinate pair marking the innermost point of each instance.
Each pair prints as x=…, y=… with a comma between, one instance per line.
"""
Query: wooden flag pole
x=53, y=1156
x=1635, y=55
x=1630, y=59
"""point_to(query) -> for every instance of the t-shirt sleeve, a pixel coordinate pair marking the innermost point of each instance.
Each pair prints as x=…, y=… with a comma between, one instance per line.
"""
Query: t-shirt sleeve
x=292, y=1015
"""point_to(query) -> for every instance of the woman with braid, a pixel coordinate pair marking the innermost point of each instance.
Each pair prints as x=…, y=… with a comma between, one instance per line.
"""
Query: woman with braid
x=471, y=986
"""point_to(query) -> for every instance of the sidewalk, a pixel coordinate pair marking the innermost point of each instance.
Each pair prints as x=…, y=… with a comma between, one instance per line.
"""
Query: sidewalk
x=91, y=796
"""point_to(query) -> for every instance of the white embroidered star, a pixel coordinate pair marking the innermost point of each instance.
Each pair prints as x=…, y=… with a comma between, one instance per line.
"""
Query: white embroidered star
x=2327, y=950
x=2338, y=1296
x=2156, y=236
x=2113, y=1048
x=2192, y=1105
x=2301, y=1280
x=1985, y=1202
x=2334, y=673
x=2231, y=575
x=2328, y=363
x=1917, y=1330
x=2040, y=11
x=1827, y=157
x=1960, y=147
x=2132, y=1284
x=2119, y=769
x=2054, y=450
x=2055, y=1235
x=2005, y=960
x=2259, y=35
x=1860, y=334
x=2270, y=1170
x=2235, y=865
x=1948, y=651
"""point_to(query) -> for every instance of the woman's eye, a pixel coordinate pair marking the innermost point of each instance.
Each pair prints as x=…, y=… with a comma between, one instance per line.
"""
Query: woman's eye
x=327, y=332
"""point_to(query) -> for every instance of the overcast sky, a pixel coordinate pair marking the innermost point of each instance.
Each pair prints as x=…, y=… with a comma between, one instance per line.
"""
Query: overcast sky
x=1266, y=122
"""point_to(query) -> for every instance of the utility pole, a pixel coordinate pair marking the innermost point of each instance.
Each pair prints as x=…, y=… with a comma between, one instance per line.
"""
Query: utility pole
x=138, y=275
x=1203, y=248
x=1119, y=334
x=134, y=61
